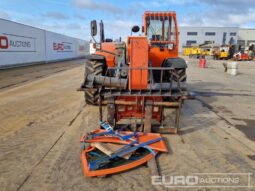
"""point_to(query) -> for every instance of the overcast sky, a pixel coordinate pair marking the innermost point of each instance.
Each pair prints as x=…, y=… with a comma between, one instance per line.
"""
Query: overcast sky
x=72, y=17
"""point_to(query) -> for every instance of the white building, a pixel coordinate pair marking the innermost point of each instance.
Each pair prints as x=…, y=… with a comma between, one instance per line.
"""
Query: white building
x=246, y=37
x=201, y=35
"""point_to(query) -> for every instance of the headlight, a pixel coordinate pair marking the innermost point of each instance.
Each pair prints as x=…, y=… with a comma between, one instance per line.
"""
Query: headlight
x=170, y=46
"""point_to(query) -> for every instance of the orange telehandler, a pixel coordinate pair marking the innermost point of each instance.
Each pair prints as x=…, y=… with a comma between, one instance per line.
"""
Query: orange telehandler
x=140, y=78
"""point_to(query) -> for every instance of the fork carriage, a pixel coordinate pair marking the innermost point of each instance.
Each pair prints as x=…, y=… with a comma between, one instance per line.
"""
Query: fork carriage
x=132, y=100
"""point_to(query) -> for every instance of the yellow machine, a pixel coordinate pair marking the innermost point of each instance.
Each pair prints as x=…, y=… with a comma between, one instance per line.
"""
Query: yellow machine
x=192, y=51
x=186, y=51
x=197, y=50
x=206, y=52
x=222, y=53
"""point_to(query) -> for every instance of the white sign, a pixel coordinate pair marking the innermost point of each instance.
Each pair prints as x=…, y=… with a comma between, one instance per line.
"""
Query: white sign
x=17, y=43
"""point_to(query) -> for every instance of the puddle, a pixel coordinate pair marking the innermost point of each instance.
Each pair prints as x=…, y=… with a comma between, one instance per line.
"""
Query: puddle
x=248, y=129
x=252, y=157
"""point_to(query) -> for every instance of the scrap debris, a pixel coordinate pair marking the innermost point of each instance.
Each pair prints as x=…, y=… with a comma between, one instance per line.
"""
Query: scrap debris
x=107, y=151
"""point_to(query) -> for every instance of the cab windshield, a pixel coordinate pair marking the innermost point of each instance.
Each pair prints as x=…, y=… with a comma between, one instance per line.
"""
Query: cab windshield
x=160, y=29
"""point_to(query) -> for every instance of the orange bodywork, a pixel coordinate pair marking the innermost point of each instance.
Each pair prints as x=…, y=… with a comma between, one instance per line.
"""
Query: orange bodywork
x=138, y=62
x=113, y=170
x=156, y=54
x=110, y=58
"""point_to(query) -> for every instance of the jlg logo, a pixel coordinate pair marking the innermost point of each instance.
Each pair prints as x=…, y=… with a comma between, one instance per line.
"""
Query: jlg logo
x=4, y=42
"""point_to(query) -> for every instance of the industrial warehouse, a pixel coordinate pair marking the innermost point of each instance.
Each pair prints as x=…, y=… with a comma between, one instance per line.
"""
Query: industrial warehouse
x=102, y=95
x=217, y=35
x=214, y=40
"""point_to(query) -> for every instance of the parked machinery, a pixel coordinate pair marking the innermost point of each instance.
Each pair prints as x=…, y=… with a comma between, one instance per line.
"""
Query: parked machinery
x=140, y=78
x=198, y=50
x=193, y=52
x=251, y=51
x=244, y=53
x=222, y=53
x=240, y=56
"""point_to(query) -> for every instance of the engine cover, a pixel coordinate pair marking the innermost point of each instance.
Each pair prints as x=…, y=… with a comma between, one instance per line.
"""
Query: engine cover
x=138, y=62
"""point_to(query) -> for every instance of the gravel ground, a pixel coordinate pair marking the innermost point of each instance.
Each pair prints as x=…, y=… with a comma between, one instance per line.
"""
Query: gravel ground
x=41, y=121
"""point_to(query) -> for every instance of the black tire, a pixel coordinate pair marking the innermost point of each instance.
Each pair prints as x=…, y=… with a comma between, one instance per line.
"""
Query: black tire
x=179, y=73
x=96, y=68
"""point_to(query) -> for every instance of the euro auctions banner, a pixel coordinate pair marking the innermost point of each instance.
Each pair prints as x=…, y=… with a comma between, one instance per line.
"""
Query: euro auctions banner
x=59, y=46
x=20, y=44
x=63, y=46
x=17, y=43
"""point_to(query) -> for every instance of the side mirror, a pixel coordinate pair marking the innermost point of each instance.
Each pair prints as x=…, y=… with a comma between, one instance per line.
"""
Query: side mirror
x=135, y=28
x=142, y=28
x=93, y=28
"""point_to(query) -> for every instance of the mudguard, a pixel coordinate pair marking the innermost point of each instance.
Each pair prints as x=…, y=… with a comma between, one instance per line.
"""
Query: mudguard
x=175, y=63
x=95, y=57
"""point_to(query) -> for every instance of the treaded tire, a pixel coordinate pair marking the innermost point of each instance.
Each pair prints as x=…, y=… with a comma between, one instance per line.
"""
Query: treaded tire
x=181, y=72
x=96, y=68
x=179, y=66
